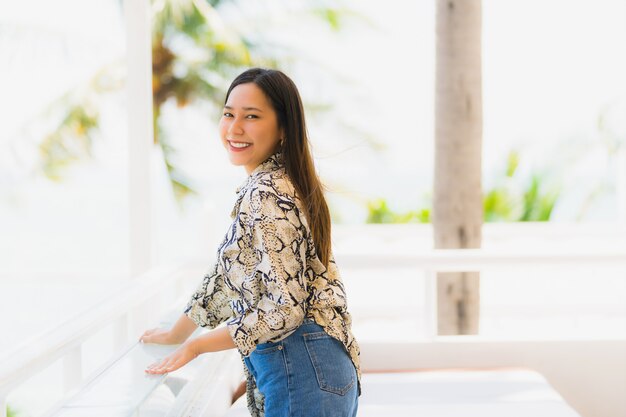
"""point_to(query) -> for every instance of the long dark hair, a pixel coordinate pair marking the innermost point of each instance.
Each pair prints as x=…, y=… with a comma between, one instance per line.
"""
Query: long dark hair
x=285, y=99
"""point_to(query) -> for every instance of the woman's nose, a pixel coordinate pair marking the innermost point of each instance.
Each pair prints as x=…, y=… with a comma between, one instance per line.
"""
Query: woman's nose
x=235, y=127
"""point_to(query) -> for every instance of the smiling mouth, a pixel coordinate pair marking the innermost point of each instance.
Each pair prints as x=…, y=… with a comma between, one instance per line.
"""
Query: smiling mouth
x=239, y=145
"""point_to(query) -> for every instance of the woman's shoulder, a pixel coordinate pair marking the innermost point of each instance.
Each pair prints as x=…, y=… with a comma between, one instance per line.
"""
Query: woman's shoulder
x=273, y=184
x=273, y=196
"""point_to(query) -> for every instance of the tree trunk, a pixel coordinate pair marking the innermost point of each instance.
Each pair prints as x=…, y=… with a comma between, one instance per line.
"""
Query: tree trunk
x=458, y=204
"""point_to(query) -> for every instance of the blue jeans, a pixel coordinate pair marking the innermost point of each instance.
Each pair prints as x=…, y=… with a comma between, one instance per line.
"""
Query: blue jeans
x=307, y=374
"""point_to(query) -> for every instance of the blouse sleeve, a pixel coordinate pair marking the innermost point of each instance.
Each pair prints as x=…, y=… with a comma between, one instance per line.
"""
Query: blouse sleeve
x=209, y=304
x=272, y=227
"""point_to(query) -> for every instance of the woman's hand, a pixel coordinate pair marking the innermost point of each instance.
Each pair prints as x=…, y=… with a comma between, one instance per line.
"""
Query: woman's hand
x=182, y=329
x=160, y=336
x=181, y=356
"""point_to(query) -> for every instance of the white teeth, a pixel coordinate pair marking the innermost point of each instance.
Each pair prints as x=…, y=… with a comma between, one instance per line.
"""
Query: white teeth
x=239, y=145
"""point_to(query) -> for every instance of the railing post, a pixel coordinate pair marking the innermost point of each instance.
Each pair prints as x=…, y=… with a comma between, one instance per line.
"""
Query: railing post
x=72, y=369
x=120, y=332
x=429, y=314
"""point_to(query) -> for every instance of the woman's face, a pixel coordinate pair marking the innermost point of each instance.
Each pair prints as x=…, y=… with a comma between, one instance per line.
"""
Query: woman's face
x=249, y=126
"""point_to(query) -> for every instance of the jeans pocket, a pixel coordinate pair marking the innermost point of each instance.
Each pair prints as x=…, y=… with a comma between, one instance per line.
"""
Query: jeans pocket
x=333, y=368
x=268, y=347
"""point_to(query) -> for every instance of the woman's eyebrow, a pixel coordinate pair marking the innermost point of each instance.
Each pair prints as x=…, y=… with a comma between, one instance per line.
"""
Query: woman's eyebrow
x=245, y=108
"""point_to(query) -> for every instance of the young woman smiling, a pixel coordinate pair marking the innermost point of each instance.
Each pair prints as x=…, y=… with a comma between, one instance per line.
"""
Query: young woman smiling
x=275, y=283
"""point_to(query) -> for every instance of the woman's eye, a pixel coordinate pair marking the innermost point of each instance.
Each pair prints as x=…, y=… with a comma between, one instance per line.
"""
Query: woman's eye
x=252, y=116
x=227, y=115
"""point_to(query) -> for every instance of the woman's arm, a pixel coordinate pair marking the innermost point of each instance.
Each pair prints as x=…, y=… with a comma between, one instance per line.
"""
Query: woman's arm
x=213, y=341
x=181, y=330
x=208, y=307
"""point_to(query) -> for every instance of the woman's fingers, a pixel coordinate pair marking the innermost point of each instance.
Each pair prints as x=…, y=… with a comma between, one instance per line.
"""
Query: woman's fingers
x=172, y=362
x=168, y=364
x=152, y=336
x=146, y=335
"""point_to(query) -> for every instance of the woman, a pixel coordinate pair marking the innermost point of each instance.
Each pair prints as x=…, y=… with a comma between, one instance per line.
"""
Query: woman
x=275, y=283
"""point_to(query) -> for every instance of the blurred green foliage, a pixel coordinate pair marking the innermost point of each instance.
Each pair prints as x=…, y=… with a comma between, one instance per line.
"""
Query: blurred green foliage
x=70, y=142
x=507, y=201
x=517, y=200
x=11, y=412
x=379, y=212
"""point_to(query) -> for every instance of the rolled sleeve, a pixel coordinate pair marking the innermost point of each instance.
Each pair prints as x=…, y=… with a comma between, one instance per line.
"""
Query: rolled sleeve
x=275, y=232
x=209, y=304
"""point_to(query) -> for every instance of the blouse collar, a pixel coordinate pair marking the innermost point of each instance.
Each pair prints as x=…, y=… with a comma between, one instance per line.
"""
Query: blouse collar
x=272, y=163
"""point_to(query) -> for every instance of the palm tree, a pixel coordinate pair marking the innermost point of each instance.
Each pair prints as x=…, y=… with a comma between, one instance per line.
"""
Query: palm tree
x=179, y=26
x=457, y=203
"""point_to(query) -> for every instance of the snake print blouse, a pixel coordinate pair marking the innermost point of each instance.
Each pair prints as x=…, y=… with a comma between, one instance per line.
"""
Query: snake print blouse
x=268, y=277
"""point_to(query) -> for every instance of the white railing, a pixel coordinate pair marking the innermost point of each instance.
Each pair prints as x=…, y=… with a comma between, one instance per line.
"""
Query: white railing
x=458, y=260
x=66, y=340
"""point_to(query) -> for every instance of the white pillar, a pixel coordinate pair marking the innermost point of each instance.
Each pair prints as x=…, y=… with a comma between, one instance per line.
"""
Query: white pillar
x=140, y=132
x=621, y=186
